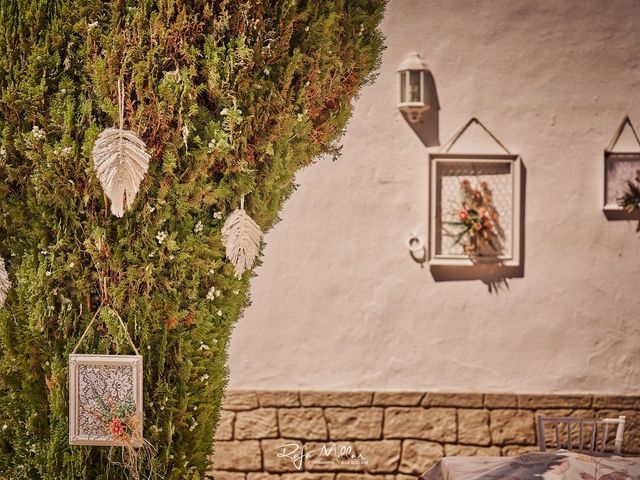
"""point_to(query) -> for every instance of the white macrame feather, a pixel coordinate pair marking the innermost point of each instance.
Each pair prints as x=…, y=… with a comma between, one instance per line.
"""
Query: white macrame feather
x=241, y=237
x=5, y=283
x=121, y=162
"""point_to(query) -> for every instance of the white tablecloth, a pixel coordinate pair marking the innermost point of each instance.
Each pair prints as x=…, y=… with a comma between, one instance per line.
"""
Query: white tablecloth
x=557, y=465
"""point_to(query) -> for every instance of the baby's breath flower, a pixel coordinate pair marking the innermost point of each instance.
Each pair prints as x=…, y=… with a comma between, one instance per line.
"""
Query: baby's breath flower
x=161, y=236
x=211, y=293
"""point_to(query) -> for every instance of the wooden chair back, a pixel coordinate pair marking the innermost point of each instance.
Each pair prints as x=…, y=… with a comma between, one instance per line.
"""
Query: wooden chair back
x=598, y=433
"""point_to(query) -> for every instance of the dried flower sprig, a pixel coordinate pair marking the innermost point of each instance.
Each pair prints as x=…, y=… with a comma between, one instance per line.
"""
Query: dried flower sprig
x=479, y=231
x=630, y=199
x=117, y=418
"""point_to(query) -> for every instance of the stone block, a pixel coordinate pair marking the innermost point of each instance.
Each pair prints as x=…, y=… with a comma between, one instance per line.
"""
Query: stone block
x=381, y=456
x=631, y=402
x=237, y=456
x=303, y=423
x=276, y=398
x=307, y=476
x=336, y=399
x=354, y=423
x=437, y=424
x=224, y=475
x=553, y=401
x=240, y=400
x=418, y=456
x=333, y=457
x=262, y=476
x=397, y=399
x=473, y=427
x=365, y=476
x=256, y=424
x=468, y=400
x=225, y=426
x=282, y=455
x=512, y=427
x=500, y=400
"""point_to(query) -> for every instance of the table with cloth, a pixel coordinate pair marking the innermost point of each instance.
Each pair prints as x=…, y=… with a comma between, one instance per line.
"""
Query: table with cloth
x=556, y=465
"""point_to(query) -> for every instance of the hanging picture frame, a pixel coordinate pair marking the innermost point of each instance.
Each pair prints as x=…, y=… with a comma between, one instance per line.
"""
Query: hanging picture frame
x=497, y=177
x=105, y=400
x=620, y=168
x=106, y=396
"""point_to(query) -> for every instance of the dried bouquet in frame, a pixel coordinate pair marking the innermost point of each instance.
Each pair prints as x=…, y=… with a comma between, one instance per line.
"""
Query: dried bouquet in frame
x=478, y=229
x=630, y=199
x=118, y=419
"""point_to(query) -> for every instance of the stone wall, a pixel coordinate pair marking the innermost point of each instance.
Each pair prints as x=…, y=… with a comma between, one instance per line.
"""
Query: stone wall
x=387, y=435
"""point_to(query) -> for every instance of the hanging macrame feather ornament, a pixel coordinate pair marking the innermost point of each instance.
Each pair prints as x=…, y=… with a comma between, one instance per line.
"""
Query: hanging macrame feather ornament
x=121, y=162
x=5, y=283
x=241, y=237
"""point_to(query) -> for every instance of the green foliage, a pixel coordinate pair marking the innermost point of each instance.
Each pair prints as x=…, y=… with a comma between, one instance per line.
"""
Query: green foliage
x=232, y=98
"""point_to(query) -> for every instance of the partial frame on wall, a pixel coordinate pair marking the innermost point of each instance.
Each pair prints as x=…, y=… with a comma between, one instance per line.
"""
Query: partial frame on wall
x=620, y=167
x=502, y=172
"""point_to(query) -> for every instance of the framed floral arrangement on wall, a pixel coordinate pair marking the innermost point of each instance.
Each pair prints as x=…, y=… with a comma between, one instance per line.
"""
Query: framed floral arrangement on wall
x=475, y=209
x=105, y=400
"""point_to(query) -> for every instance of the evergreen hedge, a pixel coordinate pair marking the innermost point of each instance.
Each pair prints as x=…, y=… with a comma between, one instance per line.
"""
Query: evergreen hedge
x=232, y=98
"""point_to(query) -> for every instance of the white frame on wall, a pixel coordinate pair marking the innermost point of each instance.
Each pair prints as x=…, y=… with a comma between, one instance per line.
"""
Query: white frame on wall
x=135, y=361
x=611, y=205
x=610, y=157
x=514, y=162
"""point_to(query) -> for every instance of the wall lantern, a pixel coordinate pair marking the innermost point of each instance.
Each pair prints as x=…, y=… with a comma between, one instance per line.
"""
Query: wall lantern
x=414, y=99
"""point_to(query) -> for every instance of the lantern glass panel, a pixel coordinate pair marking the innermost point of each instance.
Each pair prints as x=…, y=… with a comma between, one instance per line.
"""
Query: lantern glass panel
x=415, y=84
x=403, y=87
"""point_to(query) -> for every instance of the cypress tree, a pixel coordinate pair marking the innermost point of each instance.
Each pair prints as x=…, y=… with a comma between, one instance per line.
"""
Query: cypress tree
x=232, y=98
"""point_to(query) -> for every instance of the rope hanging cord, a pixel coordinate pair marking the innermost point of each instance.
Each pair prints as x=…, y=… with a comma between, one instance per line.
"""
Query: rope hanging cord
x=124, y=327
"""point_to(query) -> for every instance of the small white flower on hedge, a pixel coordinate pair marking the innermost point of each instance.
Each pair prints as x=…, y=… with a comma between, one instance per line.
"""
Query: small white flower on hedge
x=203, y=346
x=211, y=293
x=217, y=215
x=161, y=236
x=219, y=313
x=38, y=133
x=198, y=228
x=204, y=377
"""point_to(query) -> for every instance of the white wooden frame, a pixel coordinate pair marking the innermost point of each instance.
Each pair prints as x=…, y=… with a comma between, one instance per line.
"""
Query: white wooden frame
x=515, y=166
x=75, y=360
x=610, y=157
x=596, y=446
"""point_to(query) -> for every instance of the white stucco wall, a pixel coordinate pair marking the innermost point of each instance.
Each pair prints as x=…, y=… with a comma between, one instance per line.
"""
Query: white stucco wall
x=338, y=302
